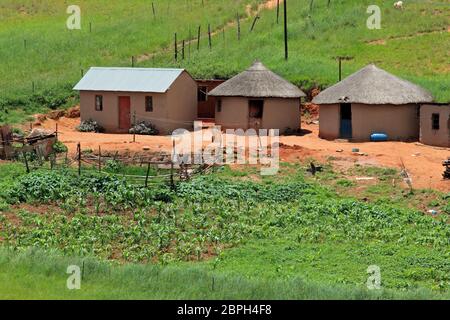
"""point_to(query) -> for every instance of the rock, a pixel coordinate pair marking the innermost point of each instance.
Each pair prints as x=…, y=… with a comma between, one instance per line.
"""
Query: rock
x=73, y=113
x=39, y=133
x=56, y=115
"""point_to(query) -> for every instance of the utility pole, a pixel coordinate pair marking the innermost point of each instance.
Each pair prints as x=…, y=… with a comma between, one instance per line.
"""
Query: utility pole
x=286, y=49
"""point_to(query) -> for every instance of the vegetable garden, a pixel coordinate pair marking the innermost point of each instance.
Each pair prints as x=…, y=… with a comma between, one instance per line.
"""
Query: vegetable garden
x=213, y=218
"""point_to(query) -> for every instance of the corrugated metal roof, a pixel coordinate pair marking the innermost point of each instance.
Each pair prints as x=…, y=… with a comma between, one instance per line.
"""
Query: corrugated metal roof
x=128, y=79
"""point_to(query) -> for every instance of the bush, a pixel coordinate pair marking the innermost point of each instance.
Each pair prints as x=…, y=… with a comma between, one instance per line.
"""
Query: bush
x=144, y=128
x=90, y=126
x=59, y=147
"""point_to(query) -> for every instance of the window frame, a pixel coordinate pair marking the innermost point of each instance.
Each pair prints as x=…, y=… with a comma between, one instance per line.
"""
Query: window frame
x=435, y=121
x=147, y=99
x=98, y=102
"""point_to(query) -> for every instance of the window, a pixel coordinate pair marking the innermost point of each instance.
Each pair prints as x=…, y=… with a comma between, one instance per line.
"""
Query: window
x=148, y=104
x=435, y=121
x=202, y=94
x=98, y=103
x=219, y=105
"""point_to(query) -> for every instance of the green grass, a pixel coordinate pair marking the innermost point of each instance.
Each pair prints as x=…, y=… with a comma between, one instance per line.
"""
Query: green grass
x=286, y=228
x=53, y=57
x=34, y=274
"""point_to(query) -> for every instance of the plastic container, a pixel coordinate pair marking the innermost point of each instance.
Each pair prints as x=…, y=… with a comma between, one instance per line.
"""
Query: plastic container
x=378, y=137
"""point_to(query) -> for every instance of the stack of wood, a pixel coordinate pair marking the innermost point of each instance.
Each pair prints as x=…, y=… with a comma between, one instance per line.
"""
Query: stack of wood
x=446, y=164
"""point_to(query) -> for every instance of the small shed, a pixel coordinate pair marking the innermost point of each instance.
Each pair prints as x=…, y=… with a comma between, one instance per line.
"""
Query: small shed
x=371, y=101
x=258, y=98
x=116, y=97
x=435, y=125
x=207, y=104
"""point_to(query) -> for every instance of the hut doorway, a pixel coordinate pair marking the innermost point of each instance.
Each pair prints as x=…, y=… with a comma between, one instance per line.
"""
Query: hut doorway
x=346, y=131
x=255, y=113
x=124, y=113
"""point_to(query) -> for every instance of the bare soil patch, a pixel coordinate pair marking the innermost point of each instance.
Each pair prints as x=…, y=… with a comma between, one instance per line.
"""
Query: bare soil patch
x=424, y=163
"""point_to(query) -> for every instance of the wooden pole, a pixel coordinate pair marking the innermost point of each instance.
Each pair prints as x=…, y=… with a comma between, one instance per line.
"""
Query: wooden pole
x=209, y=37
x=56, y=131
x=176, y=48
x=189, y=44
x=254, y=22
x=79, y=158
x=153, y=9
x=182, y=50
x=146, y=177
x=238, y=26
x=26, y=161
x=278, y=11
x=99, y=159
x=134, y=126
x=172, y=183
x=198, y=38
x=340, y=68
x=286, y=49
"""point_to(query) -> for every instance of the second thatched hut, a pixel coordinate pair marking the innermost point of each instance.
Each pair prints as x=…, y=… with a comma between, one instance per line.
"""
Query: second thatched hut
x=259, y=99
x=369, y=102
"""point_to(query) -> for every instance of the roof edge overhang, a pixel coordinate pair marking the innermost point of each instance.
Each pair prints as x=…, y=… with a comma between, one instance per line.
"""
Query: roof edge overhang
x=255, y=97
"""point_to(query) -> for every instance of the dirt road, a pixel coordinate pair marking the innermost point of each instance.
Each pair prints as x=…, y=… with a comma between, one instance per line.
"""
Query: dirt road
x=424, y=163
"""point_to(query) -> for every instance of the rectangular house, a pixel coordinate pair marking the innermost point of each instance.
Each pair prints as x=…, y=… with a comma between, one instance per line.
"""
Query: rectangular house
x=117, y=97
x=435, y=125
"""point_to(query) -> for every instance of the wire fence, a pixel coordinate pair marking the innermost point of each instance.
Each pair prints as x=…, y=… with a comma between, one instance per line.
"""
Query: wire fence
x=140, y=170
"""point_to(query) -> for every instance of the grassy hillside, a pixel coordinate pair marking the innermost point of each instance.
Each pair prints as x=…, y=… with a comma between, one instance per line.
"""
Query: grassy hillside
x=413, y=43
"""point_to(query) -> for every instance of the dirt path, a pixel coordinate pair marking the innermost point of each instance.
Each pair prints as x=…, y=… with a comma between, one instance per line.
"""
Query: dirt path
x=423, y=162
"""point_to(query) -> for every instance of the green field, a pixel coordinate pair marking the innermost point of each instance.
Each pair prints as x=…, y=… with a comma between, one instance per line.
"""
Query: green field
x=288, y=236
x=37, y=51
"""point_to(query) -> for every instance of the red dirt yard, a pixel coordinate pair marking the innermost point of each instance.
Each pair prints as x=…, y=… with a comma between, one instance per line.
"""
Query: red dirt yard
x=424, y=163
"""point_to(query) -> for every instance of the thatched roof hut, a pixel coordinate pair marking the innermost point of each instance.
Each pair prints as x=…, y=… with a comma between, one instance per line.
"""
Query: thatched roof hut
x=371, y=102
x=258, y=82
x=258, y=98
x=372, y=85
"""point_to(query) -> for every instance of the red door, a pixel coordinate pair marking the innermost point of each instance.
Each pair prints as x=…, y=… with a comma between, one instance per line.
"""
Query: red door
x=124, y=113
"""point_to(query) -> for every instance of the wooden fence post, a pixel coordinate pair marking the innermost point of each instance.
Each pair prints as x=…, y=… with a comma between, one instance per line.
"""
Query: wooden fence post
x=146, y=177
x=254, y=23
x=99, y=159
x=79, y=158
x=238, y=26
x=278, y=11
x=182, y=50
x=198, y=38
x=134, y=126
x=26, y=161
x=176, y=48
x=172, y=183
x=209, y=37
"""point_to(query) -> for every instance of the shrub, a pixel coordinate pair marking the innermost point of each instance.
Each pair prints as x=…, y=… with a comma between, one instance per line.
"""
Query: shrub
x=90, y=126
x=59, y=147
x=144, y=128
